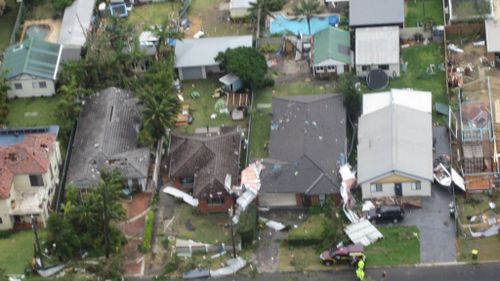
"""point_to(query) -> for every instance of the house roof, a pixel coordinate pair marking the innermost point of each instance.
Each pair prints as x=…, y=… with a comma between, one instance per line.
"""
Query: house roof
x=395, y=139
x=418, y=100
x=106, y=138
x=240, y=4
x=307, y=139
x=377, y=45
x=33, y=57
x=76, y=22
x=376, y=12
x=202, y=52
x=31, y=156
x=208, y=158
x=332, y=43
x=492, y=35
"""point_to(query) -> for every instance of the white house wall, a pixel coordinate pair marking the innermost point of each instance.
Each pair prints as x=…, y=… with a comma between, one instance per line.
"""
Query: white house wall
x=277, y=200
x=28, y=90
x=388, y=190
x=393, y=70
x=239, y=12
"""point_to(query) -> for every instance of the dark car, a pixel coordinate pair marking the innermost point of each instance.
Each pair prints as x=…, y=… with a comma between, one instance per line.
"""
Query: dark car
x=351, y=254
x=391, y=213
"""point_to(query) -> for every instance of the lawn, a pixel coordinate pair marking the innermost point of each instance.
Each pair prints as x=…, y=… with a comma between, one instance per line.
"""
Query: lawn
x=16, y=251
x=302, y=259
x=144, y=16
x=32, y=112
x=7, y=21
x=399, y=247
x=202, y=107
x=311, y=229
x=489, y=248
x=206, y=15
x=419, y=58
x=419, y=10
x=207, y=228
x=41, y=10
x=261, y=122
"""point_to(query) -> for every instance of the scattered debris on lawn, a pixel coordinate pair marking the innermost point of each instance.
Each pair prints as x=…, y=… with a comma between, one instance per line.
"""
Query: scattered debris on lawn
x=277, y=226
x=363, y=233
x=182, y=195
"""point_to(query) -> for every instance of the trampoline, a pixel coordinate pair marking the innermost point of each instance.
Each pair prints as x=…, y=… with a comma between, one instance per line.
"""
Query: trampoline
x=377, y=79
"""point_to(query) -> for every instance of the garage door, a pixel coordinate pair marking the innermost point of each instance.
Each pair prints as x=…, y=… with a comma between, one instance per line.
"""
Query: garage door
x=192, y=73
x=277, y=200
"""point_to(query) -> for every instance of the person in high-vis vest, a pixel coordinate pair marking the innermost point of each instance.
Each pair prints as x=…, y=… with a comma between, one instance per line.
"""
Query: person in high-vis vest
x=360, y=274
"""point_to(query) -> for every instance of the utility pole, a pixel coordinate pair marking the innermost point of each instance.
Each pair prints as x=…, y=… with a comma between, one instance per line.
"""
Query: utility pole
x=231, y=214
x=37, y=240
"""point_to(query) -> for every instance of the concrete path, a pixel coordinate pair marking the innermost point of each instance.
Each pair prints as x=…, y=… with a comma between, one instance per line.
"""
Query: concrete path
x=437, y=229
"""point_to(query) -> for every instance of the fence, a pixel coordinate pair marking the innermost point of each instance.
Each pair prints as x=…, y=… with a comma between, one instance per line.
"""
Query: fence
x=20, y=16
x=61, y=187
x=184, y=8
x=465, y=28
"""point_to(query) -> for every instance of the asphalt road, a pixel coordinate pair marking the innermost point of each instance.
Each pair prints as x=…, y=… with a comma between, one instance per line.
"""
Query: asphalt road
x=480, y=272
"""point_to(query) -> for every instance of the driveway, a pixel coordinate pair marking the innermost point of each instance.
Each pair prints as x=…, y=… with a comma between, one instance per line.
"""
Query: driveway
x=437, y=229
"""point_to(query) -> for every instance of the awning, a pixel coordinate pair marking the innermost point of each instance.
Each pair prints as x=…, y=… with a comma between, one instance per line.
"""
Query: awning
x=363, y=233
x=182, y=195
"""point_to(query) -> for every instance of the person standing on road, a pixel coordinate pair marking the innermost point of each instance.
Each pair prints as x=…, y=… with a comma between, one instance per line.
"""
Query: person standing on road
x=360, y=274
x=384, y=276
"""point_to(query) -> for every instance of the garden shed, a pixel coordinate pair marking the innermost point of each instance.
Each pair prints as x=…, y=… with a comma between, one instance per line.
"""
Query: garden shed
x=231, y=82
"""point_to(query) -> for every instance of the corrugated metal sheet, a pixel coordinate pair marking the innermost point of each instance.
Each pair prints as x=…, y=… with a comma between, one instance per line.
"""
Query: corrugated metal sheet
x=492, y=35
x=419, y=100
x=377, y=45
x=363, y=233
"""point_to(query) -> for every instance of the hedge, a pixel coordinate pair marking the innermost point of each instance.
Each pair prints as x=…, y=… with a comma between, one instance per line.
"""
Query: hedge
x=148, y=231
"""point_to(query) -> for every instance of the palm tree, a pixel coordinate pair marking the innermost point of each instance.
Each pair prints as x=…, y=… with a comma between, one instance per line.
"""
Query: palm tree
x=160, y=110
x=165, y=31
x=260, y=9
x=307, y=8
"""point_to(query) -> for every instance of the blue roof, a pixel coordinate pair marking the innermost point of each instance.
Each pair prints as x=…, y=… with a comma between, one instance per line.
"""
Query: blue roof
x=14, y=136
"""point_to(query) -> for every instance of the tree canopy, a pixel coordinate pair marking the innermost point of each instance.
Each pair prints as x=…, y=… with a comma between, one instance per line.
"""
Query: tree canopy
x=307, y=8
x=246, y=62
x=4, y=88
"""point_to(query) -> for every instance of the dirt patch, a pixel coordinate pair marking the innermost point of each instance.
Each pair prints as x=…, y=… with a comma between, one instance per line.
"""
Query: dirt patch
x=53, y=25
x=195, y=26
x=137, y=205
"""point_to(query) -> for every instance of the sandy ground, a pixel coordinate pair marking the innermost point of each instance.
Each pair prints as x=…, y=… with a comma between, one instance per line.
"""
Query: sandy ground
x=55, y=28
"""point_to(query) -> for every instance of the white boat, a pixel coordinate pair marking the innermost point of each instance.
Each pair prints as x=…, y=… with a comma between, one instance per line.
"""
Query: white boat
x=442, y=175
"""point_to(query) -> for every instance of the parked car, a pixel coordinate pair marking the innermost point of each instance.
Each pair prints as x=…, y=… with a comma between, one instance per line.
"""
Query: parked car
x=391, y=213
x=351, y=254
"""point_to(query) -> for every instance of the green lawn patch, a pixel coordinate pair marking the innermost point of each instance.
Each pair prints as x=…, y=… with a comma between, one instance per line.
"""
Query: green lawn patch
x=302, y=258
x=419, y=58
x=32, y=112
x=16, y=251
x=311, y=229
x=420, y=10
x=399, y=246
x=202, y=107
x=143, y=16
x=489, y=248
x=7, y=21
x=206, y=228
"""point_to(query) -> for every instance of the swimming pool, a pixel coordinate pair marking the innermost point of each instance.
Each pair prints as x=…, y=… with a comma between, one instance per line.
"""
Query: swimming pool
x=280, y=24
x=38, y=31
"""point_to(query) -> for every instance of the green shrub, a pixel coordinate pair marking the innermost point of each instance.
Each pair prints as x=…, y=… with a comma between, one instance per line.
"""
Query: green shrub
x=148, y=231
x=248, y=226
x=5, y=234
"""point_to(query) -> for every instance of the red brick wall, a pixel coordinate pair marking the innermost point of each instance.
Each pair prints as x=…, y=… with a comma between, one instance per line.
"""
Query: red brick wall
x=205, y=208
x=298, y=197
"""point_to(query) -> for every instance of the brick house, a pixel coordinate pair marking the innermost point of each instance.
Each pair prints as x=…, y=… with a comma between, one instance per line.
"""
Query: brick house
x=29, y=174
x=203, y=164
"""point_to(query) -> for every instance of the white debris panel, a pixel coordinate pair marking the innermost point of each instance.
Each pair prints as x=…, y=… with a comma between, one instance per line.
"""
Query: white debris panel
x=363, y=233
x=233, y=266
x=275, y=225
x=182, y=195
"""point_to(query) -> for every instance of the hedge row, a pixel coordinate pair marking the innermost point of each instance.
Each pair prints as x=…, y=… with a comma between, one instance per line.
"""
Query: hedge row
x=148, y=231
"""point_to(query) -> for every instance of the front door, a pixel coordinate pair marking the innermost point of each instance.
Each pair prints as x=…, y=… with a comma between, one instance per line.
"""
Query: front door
x=398, y=189
x=306, y=200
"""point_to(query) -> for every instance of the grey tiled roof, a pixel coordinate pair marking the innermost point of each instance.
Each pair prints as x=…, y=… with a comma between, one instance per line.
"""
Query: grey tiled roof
x=307, y=139
x=208, y=158
x=106, y=137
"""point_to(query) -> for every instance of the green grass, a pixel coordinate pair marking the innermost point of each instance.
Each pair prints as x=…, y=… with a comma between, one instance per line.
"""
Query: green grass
x=7, y=21
x=418, y=58
x=144, y=16
x=207, y=228
x=312, y=228
x=213, y=21
x=398, y=247
x=419, y=10
x=201, y=108
x=20, y=110
x=489, y=248
x=16, y=251
x=261, y=126
x=302, y=259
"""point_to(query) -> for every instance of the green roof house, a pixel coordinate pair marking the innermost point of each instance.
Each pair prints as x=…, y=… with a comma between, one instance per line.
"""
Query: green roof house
x=331, y=52
x=31, y=68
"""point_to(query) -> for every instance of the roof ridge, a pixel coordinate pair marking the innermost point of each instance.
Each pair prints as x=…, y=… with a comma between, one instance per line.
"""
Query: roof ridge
x=25, y=65
x=313, y=184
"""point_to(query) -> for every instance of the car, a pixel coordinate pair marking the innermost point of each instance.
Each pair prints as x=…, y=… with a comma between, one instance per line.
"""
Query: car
x=388, y=213
x=351, y=254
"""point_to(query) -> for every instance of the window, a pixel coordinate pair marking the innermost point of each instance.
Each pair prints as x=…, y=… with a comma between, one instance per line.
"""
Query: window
x=41, y=84
x=1, y=220
x=216, y=200
x=365, y=67
x=376, y=187
x=36, y=180
x=384, y=66
x=416, y=186
x=18, y=86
